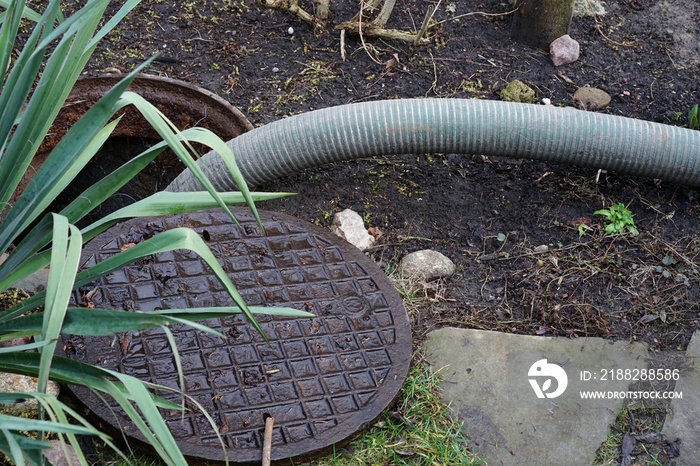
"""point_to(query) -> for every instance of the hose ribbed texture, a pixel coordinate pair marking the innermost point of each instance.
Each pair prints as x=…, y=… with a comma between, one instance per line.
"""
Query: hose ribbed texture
x=457, y=126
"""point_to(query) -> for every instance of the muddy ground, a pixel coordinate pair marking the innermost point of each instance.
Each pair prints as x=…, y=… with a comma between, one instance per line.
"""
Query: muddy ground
x=487, y=214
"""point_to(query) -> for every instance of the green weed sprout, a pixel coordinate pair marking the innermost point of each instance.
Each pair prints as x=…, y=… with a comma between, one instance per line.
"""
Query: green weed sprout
x=693, y=118
x=619, y=219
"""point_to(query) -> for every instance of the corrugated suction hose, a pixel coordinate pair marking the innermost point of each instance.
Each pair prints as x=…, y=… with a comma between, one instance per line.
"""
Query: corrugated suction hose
x=457, y=126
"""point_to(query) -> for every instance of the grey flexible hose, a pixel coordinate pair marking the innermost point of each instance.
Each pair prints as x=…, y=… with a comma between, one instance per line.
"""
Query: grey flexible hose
x=458, y=126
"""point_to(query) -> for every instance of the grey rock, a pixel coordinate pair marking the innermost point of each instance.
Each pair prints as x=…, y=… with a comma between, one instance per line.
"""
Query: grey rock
x=588, y=8
x=564, y=50
x=518, y=91
x=14, y=383
x=682, y=421
x=32, y=283
x=426, y=265
x=58, y=457
x=489, y=383
x=542, y=248
x=592, y=98
x=349, y=225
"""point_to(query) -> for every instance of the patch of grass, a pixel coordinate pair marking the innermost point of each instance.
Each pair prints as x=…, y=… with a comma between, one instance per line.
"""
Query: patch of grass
x=418, y=431
x=647, y=419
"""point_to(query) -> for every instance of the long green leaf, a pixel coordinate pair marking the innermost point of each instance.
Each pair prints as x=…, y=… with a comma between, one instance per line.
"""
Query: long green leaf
x=14, y=451
x=66, y=160
x=169, y=203
x=62, y=69
x=8, y=30
x=20, y=423
x=28, y=346
x=178, y=238
x=20, y=79
x=100, y=191
x=65, y=256
x=50, y=180
x=65, y=155
x=84, y=321
x=163, y=203
x=168, y=132
x=27, y=12
x=64, y=370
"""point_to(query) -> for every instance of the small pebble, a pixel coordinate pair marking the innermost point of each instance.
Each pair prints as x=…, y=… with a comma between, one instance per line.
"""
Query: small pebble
x=547, y=101
x=290, y=30
x=275, y=69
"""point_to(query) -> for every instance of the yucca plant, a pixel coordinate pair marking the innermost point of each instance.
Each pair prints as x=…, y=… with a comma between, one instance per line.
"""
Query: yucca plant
x=34, y=88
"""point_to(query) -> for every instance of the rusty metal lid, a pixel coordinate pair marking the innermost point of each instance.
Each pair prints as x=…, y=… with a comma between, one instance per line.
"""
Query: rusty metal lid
x=324, y=380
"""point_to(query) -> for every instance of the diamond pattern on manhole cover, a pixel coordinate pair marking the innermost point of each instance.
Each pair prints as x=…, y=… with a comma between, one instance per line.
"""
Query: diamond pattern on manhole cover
x=323, y=379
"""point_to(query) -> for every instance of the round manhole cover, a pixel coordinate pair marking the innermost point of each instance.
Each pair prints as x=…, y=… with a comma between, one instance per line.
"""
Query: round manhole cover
x=323, y=379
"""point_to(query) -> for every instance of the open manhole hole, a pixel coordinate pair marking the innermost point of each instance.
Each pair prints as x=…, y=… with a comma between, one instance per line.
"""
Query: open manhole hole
x=184, y=104
x=323, y=379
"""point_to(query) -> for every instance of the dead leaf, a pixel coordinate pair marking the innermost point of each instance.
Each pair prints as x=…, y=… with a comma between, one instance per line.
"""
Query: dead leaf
x=126, y=246
x=646, y=318
x=391, y=62
x=628, y=443
x=375, y=232
x=581, y=221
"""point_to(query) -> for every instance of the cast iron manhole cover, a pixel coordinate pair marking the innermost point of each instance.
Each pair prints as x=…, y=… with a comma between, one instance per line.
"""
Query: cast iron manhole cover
x=323, y=379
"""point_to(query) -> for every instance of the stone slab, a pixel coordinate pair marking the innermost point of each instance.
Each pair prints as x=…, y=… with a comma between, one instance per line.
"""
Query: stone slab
x=33, y=283
x=683, y=420
x=489, y=383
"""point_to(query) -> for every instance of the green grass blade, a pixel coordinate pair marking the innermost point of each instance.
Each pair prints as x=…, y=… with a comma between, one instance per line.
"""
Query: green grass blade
x=64, y=370
x=14, y=451
x=78, y=140
x=65, y=161
x=157, y=424
x=21, y=77
x=228, y=157
x=28, y=346
x=178, y=238
x=112, y=22
x=168, y=132
x=57, y=79
x=8, y=30
x=169, y=203
x=20, y=423
x=65, y=256
x=163, y=203
x=84, y=321
x=51, y=178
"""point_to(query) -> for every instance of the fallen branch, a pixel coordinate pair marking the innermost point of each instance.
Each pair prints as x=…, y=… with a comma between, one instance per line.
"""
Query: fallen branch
x=267, y=442
x=292, y=6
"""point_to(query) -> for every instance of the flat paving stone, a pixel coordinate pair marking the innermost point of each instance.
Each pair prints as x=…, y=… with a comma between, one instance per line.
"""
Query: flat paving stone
x=493, y=383
x=683, y=421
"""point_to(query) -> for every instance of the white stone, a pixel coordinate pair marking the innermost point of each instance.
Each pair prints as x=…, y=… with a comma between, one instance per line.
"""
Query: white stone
x=426, y=265
x=349, y=225
x=564, y=50
x=13, y=383
x=546, y=101
x=290, y=30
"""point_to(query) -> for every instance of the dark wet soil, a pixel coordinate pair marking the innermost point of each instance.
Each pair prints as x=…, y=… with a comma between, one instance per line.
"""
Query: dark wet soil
x=494, y=217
